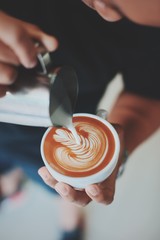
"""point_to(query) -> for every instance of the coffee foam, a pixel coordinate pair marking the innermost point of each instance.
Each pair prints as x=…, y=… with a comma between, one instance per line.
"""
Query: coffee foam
x=94, y=152
x=84, y=156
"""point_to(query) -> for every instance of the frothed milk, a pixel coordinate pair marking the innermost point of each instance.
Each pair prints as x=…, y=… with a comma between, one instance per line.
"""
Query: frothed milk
x=74, y=133
x=82, y=159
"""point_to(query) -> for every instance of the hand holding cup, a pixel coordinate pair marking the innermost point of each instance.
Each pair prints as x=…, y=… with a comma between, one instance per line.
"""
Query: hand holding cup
x=97, y=170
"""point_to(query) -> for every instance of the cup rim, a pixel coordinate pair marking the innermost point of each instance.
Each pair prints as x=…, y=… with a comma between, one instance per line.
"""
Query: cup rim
x=107, y=169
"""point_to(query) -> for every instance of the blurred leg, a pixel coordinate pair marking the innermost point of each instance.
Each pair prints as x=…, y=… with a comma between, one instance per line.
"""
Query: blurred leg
x=71, y=216
x=20, y=146
x=11, y=182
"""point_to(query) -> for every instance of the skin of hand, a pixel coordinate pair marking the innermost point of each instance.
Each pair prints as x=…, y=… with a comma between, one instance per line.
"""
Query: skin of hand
x=101, y=193
x=145, y=12
x=134, y=119
x=17, y=46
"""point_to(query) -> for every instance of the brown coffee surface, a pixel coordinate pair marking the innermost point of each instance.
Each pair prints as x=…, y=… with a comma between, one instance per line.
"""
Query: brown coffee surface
x=94, y=152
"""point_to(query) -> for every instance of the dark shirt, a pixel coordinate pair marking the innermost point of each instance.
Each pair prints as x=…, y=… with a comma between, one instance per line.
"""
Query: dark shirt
x=97, y=49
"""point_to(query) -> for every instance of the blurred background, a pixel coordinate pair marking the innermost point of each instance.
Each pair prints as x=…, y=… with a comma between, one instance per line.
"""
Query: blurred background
x=134, y=214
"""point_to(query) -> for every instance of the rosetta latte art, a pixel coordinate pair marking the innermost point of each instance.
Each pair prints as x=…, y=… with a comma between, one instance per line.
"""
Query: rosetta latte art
x=85, y=156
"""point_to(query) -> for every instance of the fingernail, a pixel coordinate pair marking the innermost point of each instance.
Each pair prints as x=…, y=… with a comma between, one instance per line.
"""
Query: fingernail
x=31, y=64
x=62, y=190
x=51, y=43
x=94, y=191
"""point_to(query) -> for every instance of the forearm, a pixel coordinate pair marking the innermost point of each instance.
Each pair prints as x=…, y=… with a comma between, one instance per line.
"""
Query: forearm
x=139, y=117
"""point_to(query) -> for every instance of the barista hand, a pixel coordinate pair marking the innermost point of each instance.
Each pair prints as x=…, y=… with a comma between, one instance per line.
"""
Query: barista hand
x=101, y=193
x=130, y=111
x=17, y=46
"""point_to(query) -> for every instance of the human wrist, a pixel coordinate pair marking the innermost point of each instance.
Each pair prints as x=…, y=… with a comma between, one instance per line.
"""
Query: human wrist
x=124, y=160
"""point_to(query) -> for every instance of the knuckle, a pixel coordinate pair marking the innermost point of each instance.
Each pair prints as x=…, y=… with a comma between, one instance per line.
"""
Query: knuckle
x=80, y=204
x=50, y=184
x=34, y=27
x=108, y=201
x=105, y=203
x=48, y=180
x=19, y=35
x=12, y=75
x=9, y=76
x=84, y=204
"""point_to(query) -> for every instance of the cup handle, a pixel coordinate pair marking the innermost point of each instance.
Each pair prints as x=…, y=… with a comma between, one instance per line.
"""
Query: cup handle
x=102, y=113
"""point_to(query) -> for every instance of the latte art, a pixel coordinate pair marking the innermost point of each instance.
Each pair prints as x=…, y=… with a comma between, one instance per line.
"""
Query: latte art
x=90, y=155
x=84, y=156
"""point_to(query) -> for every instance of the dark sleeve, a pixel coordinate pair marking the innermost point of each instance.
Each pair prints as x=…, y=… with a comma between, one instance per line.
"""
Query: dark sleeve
x=140, y=65
x=142, y=76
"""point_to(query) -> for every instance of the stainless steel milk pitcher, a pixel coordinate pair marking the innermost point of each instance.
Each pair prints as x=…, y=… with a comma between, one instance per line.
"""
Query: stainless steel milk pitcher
x=29, y=101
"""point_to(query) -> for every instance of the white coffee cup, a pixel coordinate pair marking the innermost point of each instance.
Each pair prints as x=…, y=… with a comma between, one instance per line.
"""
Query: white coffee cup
x=95, y=176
